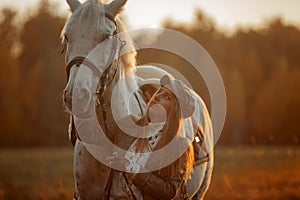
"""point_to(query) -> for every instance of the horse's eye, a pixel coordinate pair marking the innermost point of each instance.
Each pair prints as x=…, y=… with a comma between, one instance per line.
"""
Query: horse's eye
x=64, y=43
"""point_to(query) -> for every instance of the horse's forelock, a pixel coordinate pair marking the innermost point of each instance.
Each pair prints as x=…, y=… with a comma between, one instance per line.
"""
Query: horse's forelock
x=90, y=11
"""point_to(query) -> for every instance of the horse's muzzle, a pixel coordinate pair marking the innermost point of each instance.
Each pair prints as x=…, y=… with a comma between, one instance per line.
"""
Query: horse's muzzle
x=67, y=100
x=79, y=102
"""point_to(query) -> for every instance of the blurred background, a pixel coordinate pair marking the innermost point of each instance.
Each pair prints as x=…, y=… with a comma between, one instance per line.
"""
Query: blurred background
x=255, y=44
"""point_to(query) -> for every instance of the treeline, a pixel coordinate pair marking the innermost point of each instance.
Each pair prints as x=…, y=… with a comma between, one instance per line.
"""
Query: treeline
x=260, y=68
x=32, y=78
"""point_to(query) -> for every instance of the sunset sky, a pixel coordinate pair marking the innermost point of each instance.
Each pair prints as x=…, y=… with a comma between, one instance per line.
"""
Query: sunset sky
x=226, y=13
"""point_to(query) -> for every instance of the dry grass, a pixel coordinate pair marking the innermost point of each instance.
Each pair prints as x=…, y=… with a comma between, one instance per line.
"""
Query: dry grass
x=258, y=173
x=36, y=174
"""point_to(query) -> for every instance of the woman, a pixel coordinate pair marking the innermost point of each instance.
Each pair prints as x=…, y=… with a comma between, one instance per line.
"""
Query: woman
x=163, y=108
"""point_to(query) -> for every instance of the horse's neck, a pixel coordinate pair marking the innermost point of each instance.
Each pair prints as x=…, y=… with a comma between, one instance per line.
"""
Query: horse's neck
x=119, y=95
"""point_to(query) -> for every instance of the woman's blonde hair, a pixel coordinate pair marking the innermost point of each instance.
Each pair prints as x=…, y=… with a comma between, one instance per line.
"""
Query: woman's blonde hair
x=172, y=129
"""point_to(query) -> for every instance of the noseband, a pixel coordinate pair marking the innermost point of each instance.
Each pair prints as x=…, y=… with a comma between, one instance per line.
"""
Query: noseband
x=79, y=60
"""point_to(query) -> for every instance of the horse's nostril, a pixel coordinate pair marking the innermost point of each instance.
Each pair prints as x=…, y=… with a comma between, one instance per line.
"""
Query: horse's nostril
x=67, y=94
x=67, y=97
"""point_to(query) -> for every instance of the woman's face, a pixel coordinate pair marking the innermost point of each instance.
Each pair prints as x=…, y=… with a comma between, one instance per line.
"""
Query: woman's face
x=160, y=104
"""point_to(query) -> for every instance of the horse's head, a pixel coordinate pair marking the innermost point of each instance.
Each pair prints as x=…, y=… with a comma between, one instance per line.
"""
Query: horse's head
x=90, y=24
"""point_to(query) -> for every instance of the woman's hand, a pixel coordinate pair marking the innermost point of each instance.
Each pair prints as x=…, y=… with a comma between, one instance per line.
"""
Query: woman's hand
x=117, y=162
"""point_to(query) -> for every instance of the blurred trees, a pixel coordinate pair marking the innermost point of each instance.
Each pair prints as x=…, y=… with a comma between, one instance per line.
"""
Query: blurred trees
x=9, y=79
x=43, y=77
x=260, y=69
x=32, y=79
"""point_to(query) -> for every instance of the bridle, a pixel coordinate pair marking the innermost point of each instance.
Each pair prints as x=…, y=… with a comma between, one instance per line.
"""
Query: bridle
x=104, y=81
x=113, y=62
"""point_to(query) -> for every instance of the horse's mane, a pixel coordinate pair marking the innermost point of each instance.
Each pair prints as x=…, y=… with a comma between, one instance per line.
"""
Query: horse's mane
x=128, y=59
x=92, y=11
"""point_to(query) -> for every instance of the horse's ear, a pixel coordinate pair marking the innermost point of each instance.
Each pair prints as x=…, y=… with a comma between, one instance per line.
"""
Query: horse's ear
x=73, y=4
x=115, y=7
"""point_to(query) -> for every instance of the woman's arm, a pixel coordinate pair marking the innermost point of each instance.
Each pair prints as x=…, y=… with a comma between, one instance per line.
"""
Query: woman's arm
x=158, y=188
x=154, y=185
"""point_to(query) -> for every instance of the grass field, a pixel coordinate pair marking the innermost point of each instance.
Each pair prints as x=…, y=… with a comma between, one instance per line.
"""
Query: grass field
x=258, y=173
